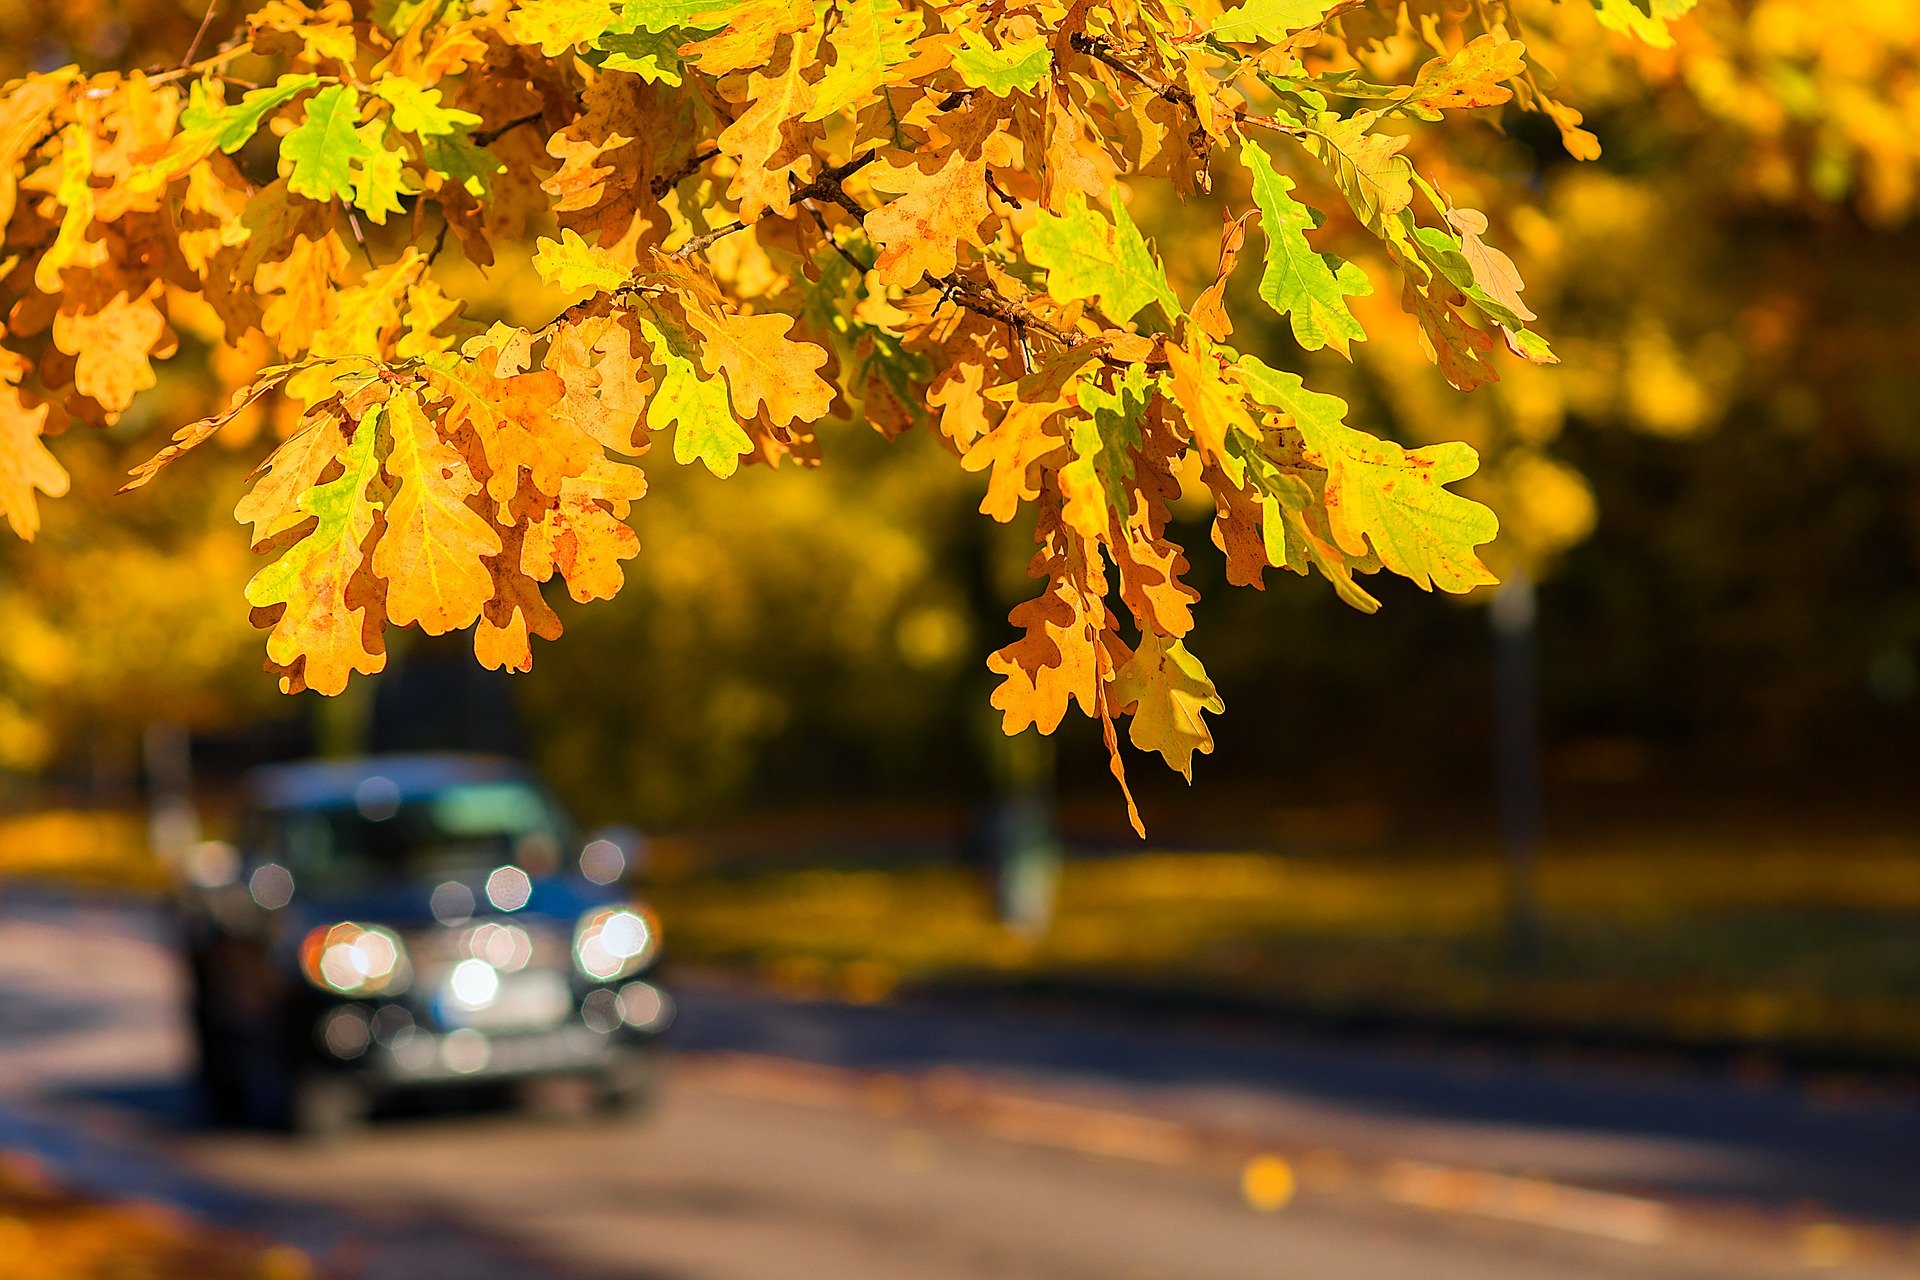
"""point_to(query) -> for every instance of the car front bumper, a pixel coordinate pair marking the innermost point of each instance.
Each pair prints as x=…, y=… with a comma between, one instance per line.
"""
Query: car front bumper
x=394, y=1045
x=418, y=1056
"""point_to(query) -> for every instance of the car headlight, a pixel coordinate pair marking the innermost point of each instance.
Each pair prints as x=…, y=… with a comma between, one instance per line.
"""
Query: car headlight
x=354, y=959
x=612, y=942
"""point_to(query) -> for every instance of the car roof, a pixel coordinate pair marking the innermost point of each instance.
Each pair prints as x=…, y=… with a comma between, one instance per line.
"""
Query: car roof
x=325, y=784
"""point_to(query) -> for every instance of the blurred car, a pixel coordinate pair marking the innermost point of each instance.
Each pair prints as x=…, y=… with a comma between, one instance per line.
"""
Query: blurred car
x=394, y=923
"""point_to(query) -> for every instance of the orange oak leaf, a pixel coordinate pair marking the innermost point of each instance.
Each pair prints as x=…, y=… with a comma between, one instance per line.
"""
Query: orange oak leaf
x=583, y=535
x=938, y=210
x=1023, y=439
x=512, y=415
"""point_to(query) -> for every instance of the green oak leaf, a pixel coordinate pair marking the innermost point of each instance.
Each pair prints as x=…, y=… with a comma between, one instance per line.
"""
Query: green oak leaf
x=232, y=126
x=1309, y=288
x=458, y=157
x=664, y=15
x=695, y=406
x=873, y=37
x=417, y=109
x=1086, y=256
x=1016, y=67
x=340, y=507
x=651, y=55
x=1381, y=496
x=1104, y=440
x=1269, y=21
x=326, y=146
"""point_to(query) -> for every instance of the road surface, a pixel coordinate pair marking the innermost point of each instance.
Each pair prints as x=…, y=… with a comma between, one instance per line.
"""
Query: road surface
x=799, y=1141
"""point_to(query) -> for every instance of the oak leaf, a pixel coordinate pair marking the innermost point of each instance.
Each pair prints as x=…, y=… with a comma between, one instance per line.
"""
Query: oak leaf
x=1383, y=498
x=434, y=542
x=938, y=211
x=1167, y=691
x=762, y=364
x=319, y=635
x=327, y=149
x=1270, y=21
x=871, y=38
x=25, y=463
x=1308, y=287
x=1087, y=256
x=689, y=402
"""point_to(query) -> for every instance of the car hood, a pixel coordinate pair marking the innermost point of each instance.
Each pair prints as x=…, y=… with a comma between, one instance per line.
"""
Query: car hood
x=554, y=900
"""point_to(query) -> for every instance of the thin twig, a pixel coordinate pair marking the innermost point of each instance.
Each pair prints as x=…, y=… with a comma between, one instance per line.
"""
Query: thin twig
x=487, y=137
x=853, y=260
x=665, y=182
x=827, y=185
x=353, y=221
x=206, y=21
x=439, y=241
x=205, y=64
x=700, y=243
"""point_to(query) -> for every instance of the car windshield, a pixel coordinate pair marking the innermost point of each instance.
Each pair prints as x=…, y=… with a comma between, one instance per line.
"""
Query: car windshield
x=382, y=837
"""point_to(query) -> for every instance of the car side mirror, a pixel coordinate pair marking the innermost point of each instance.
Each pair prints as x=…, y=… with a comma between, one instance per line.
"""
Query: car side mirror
x=611, y=853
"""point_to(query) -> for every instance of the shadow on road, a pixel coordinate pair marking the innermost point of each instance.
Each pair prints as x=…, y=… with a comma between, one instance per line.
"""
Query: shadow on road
x=1673, y=1131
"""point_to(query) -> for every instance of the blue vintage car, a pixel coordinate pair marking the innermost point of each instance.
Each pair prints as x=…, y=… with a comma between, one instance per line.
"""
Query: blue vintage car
x=397, y=922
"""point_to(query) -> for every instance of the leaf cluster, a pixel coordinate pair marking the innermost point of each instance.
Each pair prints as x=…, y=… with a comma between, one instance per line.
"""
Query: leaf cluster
x=768, y=216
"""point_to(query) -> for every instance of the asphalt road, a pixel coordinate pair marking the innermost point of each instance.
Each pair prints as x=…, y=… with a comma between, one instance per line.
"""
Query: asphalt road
x=812, y=1140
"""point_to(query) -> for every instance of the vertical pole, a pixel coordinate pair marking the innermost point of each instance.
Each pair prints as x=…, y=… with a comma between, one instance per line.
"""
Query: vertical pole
x=1517, y=766
x=173, y=825
x=1023, y=843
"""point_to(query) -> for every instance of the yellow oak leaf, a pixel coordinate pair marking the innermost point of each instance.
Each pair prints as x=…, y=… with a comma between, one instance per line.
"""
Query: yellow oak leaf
x=750, y=35
x=110, y=346
x=306, y=281
x=431, y=554
x=23, y=116
x=25, y=463
x=74, y=193
x=1167, y=689
x=572, y=264
x=607, y=385
x=937, y=212
x=1471, y=78
x=763, y=364
x=271, y=506
x=770, y=138
x=1213, y=408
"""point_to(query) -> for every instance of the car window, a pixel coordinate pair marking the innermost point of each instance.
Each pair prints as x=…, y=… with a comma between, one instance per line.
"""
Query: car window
x=382, y=837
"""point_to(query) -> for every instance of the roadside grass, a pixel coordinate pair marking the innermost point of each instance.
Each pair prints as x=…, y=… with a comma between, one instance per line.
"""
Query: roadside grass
x=1804, y=949
x=48, y=1233
x=104, y=848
